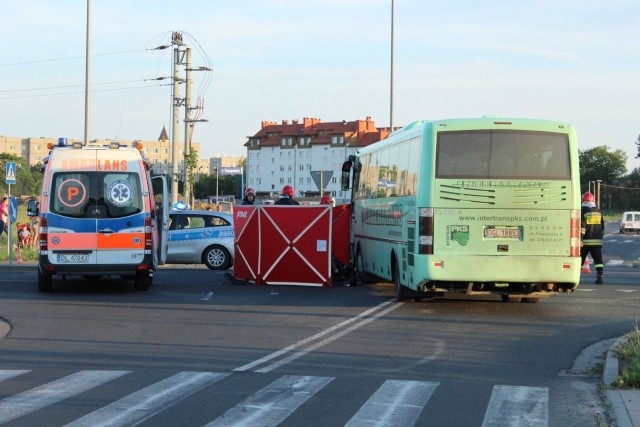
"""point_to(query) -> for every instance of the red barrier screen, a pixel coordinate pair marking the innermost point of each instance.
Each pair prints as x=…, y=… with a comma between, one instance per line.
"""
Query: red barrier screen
x=283, y=245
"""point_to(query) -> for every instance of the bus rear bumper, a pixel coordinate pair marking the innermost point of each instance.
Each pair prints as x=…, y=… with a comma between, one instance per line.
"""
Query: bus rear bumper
x=526, y=276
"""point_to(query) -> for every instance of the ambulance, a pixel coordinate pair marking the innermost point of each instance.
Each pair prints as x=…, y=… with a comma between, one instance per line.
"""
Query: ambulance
x=101, y=214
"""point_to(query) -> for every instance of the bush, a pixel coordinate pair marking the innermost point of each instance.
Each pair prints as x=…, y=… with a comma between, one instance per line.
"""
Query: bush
x=628, y=353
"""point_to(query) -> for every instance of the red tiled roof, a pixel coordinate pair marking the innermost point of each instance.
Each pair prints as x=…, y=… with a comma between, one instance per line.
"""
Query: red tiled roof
x=361, y=132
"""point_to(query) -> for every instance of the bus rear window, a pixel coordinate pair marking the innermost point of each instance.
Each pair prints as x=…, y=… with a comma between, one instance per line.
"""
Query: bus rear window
x=503, y=155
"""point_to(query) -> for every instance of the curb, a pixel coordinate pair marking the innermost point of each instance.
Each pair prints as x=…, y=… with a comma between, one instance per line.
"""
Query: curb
x=5, y=266
x=621, y=400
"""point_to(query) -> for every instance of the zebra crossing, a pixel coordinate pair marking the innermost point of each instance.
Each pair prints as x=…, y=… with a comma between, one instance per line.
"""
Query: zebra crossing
x=394, y=403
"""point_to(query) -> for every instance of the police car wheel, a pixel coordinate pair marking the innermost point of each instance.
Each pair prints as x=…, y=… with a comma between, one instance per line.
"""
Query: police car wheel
x=216, y=258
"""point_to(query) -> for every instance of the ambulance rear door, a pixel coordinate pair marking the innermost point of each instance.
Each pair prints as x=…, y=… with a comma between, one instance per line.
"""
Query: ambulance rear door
x=121, y=208
x=71, y=221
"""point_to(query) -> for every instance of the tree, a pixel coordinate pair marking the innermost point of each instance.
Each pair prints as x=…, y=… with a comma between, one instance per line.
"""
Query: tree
x=599, y=163
x=638, y=147
x=28, y=179
x=191, y=160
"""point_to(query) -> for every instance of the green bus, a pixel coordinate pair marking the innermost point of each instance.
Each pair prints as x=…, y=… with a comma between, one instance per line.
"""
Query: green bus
x=470, y=206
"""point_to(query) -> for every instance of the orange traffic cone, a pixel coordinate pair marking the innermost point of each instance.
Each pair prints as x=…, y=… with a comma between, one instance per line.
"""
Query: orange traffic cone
x=19, y=256
x=585, y=267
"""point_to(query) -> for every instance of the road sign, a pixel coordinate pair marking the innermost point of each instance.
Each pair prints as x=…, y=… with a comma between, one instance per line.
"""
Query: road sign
x=231, y=171
x=11, y=173
x=321, y=178
x=13, y=210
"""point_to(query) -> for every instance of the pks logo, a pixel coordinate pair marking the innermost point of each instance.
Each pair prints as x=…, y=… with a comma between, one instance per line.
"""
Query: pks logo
x=460, y=234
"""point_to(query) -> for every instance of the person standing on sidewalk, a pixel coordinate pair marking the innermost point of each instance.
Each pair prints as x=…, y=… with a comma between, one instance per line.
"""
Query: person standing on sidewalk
x=592, y=232
x=4, y=210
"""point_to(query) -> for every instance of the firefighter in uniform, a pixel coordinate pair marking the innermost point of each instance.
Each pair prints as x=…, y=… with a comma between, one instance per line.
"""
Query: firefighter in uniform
x=249, y=196
x=286, y=198
x=592, y=232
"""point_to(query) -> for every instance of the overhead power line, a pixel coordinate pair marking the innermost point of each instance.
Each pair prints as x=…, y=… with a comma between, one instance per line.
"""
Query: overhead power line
x=76, y=92
x=80, y=57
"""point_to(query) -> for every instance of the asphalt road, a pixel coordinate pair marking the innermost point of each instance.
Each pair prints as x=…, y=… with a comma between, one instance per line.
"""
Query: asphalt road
x=197, y=349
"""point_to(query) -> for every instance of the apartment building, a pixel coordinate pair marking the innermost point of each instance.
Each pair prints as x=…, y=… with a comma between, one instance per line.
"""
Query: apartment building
x=158, y=153
x=303, y=153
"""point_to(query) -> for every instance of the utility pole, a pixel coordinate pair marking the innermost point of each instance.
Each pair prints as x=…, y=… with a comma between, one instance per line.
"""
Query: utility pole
x=87, y=83
x=189, y=123
x=187, y=127
x=177, y=41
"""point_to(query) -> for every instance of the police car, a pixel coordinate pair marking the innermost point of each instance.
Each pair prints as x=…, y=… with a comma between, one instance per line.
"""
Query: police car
x=201, y=237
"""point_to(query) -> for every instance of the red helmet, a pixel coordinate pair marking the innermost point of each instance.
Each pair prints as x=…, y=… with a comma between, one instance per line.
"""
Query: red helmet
x=326, y=200
x=249, y=192
x=288, y=190
x=588, y=198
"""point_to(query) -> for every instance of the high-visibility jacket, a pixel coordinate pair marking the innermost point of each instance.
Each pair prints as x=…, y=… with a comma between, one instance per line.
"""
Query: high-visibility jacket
x=591, y=226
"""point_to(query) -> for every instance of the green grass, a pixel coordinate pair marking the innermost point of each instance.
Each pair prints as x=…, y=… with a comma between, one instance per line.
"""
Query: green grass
x=28, y=254
x=628, y=353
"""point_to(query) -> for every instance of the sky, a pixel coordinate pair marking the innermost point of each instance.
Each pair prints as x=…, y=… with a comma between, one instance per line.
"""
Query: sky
x=576, y=61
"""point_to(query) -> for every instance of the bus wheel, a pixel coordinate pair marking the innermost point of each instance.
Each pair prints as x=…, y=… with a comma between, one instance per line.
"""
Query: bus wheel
x=142, y=282
x=509, y=298
x=45, y=282
x=358, y=272
x=400, y=293
x=530, y=300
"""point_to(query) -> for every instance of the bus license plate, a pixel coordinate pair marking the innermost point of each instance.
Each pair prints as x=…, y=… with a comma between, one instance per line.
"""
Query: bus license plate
x=496, y=232
x=73, y=258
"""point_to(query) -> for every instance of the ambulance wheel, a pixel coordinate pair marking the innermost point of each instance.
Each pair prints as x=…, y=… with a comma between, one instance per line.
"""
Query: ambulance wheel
x=400, y=291
x=45, y=282
x=216, y=258
x=142, y=282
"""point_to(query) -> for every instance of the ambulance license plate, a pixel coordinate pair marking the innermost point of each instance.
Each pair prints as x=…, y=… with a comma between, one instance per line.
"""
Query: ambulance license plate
x=73, y=258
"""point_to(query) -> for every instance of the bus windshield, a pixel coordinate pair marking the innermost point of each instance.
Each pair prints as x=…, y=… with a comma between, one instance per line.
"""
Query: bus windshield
x=508, y=154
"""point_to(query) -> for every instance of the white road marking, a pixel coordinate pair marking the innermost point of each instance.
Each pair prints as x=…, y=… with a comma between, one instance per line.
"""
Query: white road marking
x=326, y=341
x=6, y=374
x=274, y=403
x=319, y=335
x=206, y=297
x=54, y=392
x=396, y=403
x=517, y=406
x=138, y=406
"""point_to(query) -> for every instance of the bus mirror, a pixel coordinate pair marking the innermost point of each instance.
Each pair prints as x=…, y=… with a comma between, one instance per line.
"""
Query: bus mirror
x=346, y=175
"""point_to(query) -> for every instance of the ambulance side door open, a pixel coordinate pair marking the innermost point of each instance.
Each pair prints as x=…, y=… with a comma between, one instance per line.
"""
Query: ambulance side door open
x=161, y=196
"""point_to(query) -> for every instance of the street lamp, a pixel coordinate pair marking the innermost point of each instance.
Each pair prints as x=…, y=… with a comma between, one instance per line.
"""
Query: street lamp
x=217, y=173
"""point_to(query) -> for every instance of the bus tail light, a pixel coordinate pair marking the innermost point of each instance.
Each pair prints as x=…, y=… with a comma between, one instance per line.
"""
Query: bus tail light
x=425, y=231
x=42, y=236
x=574, y=231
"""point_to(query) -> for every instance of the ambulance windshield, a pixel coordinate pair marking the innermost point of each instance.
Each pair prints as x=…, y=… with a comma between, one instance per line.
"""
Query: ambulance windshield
x=96, y=194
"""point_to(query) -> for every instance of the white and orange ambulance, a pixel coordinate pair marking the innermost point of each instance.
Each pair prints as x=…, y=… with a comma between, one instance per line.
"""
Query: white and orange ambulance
x=99, y=214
